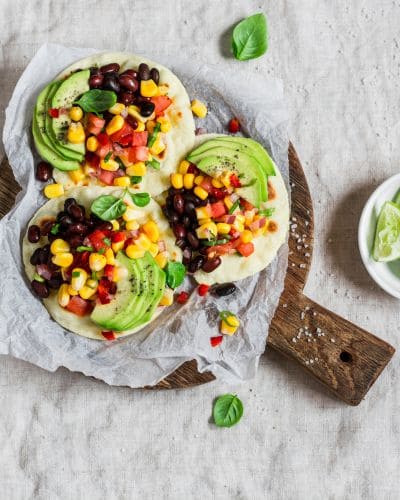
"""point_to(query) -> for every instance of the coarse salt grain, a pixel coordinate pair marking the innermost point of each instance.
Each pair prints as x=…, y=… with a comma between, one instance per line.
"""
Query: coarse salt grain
x=302, y=266
x=333, y=340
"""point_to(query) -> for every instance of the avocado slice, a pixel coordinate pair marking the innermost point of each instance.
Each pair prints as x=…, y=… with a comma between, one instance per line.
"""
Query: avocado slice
x=64, y=97
x=137, y=295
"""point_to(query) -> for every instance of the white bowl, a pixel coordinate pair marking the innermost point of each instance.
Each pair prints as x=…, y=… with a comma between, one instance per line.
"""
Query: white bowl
x=385, y=274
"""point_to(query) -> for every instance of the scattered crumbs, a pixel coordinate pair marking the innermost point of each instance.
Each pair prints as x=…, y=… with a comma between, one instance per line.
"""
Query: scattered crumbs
x=333, y=340
x=304, y=236
x=329, y=240
x=293, y=264
x=307, y=308
x=298, y=247
x=311, y=361
x=319, y=330
x=314, y=313
x=302, y=266
x=307, y=362
x=315, y=359
x=306, y=328
x=284, y=305
x=305, y=246
x=307, y=254
x=299, y=240
x=293, y=226
x=294, y=219
x=292, y=184
x=306, y=223
x=302, y=315
x=308, y=212
x=294, y=339
x=301, y=330
x=308, y=340
x=315, y=340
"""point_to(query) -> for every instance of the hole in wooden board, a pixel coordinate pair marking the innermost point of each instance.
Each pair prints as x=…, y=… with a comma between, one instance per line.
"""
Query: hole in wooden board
x=346, y=357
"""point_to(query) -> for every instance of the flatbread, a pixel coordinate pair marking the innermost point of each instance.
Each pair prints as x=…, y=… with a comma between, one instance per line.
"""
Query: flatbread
x=85, y=195
x=180, y=138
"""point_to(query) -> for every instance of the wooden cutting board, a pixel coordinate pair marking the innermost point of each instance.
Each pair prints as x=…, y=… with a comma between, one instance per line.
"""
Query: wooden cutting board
x=342, y=356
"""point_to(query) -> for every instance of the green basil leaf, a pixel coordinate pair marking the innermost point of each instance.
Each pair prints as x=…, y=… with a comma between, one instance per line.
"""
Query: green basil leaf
x=140, y=199
x=234, y=207
x=83, y=248
x=55, y=228
x=101, y=251
x=108, y=207
x=153, y=164
x=136, y=179
x=250, y=38
x=228, y=410
x=108, y=156
x=153, y=136
x=97, y=100
x=267, y=212
x=176, y=273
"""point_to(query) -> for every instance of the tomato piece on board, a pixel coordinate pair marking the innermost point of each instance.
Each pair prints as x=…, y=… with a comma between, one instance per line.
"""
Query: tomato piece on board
x=125, y=130
x=79, y=306
x=234, y=126
x=109, y=335
x=182, y=297
x=214, y=341
x=203, y=289
x=161, y=103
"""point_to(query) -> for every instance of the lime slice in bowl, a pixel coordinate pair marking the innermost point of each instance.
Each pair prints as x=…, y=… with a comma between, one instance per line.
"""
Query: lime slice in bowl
x=387, y=236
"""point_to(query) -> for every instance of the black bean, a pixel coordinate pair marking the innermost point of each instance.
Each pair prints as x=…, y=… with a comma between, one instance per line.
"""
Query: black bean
x=179, y=231
x=96, y=81
x=132, y=121
x=181, y=243
x=35, y=257
x=77, y=228
x=129, y=83
x=109, y=68
x=196, y=264
x=224, y=289
x=204, y=250
x=94, y=70
x=68, y=204
x=126, y=97
x=211, y=264
x=55, y=281
x=34, y=234
x=172, y=191
x=179, y=204
x=110, y=82
x=66, y=221
x=46, y=226
x=147, y=108
x=130, y=72
x=40, y=289
x=113, y=288
x=186, y=221
x=193, y=240
x=105, y=226
x=190, y=208
x=155, y=75
x=77, y=212
x=75, y=241
x=186, y=256
x=144, y=71
x=44, y=171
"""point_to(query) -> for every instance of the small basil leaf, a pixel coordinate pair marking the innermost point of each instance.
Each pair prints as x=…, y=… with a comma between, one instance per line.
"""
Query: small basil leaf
x=55, y=228
x=140, y=199
x=136, y=179
x=153, y=136
x=228, y=410
x=175, y=272
x=97, y=100
x=249, y=38
x=108, y=207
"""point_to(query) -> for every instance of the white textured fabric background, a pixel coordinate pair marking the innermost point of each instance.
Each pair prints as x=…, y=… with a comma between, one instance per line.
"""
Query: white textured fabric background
x=63, y=436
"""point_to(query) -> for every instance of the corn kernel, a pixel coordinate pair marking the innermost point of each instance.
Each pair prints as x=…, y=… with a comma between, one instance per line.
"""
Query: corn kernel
x=79, y=277
x=141, y=127
x=92, y=143
x=63, y=259
x=71, y=291
x=240, y=218
x=53, y=190
x=204, y=221
x=223, y=228
x=246, y=236
x=86, y=292
x=158, y=146
x=200, y=192
x=123, y=181
x=168, y=298
x=227, y=329
x=207, y=230
x=134, y=252
x=148, y=88
x=152, y=231
x=225, y=178
x=134, y=111
x=198, y=179
x=77, y=175
x=137, y=169
x=92, y=284
x=153, y=250
x=165, y=124
x=238, y=226
x=63, y=296
x=183, y=166
x=116, y=109
x=177, y=181
x=217, y=183
x=202, y=213
x=97, y=261
x=109, y=255
x=199, y=108
x=115, y=224
x=143, y=242
x=132, y=225
x=129, y=214
x=75, y=113
x=115, y=124
x=188, y=181
x=150, y=126
x=59, y=246
x=161, y=259
x=110, y=165
x=249, y=217
x=76, y=133
x=88, y=170
x=117, y=246
x=228, y=202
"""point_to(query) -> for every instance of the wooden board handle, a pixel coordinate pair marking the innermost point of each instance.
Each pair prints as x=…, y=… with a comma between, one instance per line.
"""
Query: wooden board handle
x=344, y=357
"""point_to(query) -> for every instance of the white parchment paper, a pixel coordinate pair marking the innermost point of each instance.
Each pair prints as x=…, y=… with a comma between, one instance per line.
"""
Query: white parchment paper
x=181, y=333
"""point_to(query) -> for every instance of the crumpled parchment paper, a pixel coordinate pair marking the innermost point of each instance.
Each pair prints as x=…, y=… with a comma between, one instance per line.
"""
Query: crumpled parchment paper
x=181, y=333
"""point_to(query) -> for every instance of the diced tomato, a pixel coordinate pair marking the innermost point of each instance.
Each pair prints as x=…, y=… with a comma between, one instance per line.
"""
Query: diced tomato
x=139, y=138
x=138, y=153
x=192, y=169
x=246, y=205
x=182, y=298
x=214, y=341
x=103, y=139
x=245, y=249
x=79, y=306
x=107, y=177
x=118, y=236
x=122, y=132
x=94, y=124
x=235, y=181
x=161, y=103
x=105, y=290
x=109, y=271
x=109, y=335
x=226, y=248
x=234, y=126
x=126, y=140
x=206, y=184
x=92, y=160
x=128, y=242
x=54, y=112
x=217, y=209
x=81, y=259
x=218, y=193
x=203, y=289
x=97, y=240
x=102, y=151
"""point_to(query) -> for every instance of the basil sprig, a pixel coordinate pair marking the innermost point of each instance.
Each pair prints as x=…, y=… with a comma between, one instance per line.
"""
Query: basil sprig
x=175, y=274
x=108, y=207
x=97, y=100
x=228, y=410
x=250, y=38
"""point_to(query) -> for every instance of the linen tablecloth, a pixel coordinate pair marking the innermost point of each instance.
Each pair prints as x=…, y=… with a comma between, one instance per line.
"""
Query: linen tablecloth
x=68, y=437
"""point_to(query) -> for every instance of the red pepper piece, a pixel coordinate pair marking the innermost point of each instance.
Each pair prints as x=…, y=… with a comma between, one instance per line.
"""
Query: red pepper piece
x=103, y=139
x=182, y=298
x=117, y=237
x=214, y=341
x=109, y=271
x=92, y=159
x=54, y=112
x=235, y=181
x=234, y=126
x=203, y=289
x=109, y=335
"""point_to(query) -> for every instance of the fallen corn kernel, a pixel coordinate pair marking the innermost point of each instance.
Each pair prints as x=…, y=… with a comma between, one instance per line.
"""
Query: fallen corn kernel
x=86, y=292
x=198, y=179
x=134, y=252
x=143, y=241
x=76, y=133
x=199, y=108
x=132, y=225
x=123, y=181
x=117, y=246
x=148, y=88
x=63, y=296
x=200, y=192
x=115, y=124
x=168, y=298
x=110, y=165
x=223, y=228
x=225, y=329
x=177, y=181
x=158, y=147
x=115, y=224
x=216, y=183
x=165, y=124
x=137, y=169
x=75, y=113
x=71, y=291
x=116, y=109
x=246, y=236
x=77, y=175
x=202, y=213
x=188, y=181
x=109, y=255
x=78, y=279
x=183, y=166
x=153, y=250
x=134, y=111
x=63, y=259
x=129, y=214
x=161, y=259
x=53, y=190
x=59, y=246
x=97, y=261
x=152, y=231
x=92, y=143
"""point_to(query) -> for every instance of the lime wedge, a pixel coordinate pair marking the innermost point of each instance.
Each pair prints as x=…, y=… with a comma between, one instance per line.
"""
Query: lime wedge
x=387, y=237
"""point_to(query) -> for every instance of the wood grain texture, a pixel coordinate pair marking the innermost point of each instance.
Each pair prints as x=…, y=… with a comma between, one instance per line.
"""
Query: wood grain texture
x=345, y=358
